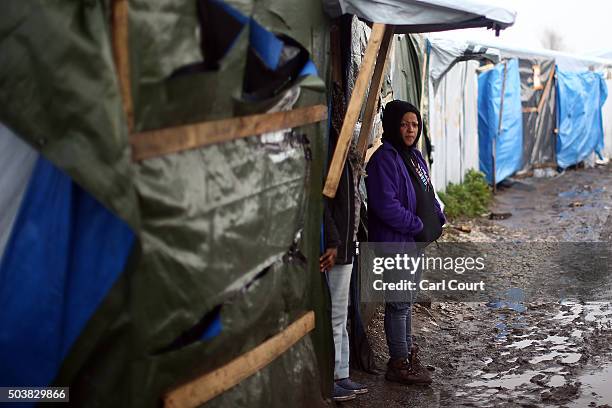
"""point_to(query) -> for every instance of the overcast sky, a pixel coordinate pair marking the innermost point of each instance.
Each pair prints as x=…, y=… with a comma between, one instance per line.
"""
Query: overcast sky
x=584, y=25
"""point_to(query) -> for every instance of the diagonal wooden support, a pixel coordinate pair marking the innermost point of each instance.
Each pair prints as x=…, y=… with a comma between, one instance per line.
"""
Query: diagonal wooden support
x=208, y=386
x=546, y=91
x=353, y=110
x=382, y=61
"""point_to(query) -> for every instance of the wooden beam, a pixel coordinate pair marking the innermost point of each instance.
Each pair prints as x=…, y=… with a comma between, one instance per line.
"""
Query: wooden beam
x=121, y=55
x=208, y=386
x=353, y=110
x=160, y=142
x=382, y=61
x=546, y=89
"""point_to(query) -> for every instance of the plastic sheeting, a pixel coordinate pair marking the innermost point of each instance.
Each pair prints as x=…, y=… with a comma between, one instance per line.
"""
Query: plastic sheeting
x=230, y=229
x=406, y=75
x=606, y=115
x=453, y=124
x=444, y=53
x=564, y=60
x=17, y=160
x=579, y=101
x=64, y=254
x=538, y=127
x=414, y=16
x=509, y=141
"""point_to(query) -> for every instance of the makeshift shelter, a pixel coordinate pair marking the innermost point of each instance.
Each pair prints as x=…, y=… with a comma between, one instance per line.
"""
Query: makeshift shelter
x=450, y=100
x=407, y=80
x=166, y=245
x=155, y=242
x=452, y=116
x=543, y=74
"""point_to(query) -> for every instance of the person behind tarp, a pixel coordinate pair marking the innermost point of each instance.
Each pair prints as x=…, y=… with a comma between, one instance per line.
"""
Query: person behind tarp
x=402, y=208
x=337, y=263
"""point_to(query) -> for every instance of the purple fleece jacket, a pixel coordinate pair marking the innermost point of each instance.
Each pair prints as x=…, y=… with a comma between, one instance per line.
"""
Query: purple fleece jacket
x=391, y=198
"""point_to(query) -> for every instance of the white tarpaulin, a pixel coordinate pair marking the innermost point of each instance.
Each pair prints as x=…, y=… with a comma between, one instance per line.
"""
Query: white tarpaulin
x=16, y=163
x=412, y=16
x=453, y=124
x=444, y=53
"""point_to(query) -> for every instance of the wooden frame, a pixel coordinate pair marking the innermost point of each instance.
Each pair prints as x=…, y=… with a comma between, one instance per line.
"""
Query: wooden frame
x=354, y=109
x=160, y=142
x=121, y=54
x=382, y=61
x=208, y=386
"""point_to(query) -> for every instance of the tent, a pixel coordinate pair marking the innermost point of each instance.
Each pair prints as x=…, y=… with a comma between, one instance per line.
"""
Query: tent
x=542, y=104
x=452, y=116
x=166, y=218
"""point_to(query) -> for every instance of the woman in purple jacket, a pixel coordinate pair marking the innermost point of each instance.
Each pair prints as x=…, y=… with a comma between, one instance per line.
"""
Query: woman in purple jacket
x=402, y=208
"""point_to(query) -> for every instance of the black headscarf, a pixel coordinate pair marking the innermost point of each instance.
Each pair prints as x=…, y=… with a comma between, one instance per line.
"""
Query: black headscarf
x=392, y=117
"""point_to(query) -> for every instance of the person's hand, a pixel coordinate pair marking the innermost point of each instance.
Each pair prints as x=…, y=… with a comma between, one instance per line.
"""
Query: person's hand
x=328, y=259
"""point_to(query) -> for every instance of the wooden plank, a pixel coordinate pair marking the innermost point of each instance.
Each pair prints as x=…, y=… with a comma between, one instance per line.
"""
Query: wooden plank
x=208, y=386
x=546, y=89
x=353, y=110
x=382, y=62
x=121, y=55
x=154, y=143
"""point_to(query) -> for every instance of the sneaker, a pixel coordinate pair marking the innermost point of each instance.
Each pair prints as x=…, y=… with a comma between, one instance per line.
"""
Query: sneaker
x=351, y=385
x=401, y=371
x=342, y=394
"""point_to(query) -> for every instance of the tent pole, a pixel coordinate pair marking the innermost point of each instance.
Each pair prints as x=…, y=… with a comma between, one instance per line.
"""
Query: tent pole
x=382, y=61
x=422, y=96
x=353, y=110
x=499, y=126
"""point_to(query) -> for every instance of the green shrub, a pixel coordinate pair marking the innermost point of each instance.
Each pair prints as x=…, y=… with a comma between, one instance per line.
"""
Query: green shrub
x=469, y=199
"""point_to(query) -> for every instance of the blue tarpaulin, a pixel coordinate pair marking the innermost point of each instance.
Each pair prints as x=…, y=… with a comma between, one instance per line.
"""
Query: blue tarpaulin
x=580, y=96
x=509, y=143
x=64, y=254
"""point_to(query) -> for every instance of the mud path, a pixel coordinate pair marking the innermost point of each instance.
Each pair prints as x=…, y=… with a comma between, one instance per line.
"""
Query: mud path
x=515, y=354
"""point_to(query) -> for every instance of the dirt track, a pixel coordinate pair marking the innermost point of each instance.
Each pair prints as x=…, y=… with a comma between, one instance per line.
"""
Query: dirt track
x=537, y=353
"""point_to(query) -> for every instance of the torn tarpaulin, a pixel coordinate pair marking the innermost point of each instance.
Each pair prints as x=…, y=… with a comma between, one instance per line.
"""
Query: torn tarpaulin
x=273, y=62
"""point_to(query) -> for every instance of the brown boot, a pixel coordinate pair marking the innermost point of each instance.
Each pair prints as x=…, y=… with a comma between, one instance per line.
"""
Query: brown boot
x=415, y=361
x=400, y=370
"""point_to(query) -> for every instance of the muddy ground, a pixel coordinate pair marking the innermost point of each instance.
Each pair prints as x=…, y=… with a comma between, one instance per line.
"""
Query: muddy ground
x=533, y=353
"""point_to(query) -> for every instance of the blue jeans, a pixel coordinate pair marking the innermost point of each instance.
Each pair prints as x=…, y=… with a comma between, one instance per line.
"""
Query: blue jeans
x=398, y=313
x=339, y=282
x=398, y=328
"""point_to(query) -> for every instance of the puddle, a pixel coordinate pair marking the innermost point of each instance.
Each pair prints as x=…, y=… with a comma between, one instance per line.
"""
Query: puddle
x=571, y=358
x=545, y=357
x=597, y=382
x=521, y=344
x=556, y=381
x=556, y=339
x=509, y=382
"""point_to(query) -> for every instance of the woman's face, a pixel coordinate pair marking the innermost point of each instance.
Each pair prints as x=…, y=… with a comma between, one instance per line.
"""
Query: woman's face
x=409, y=128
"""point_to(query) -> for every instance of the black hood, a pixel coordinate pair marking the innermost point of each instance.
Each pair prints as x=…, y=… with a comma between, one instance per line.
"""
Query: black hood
x=393, y=113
